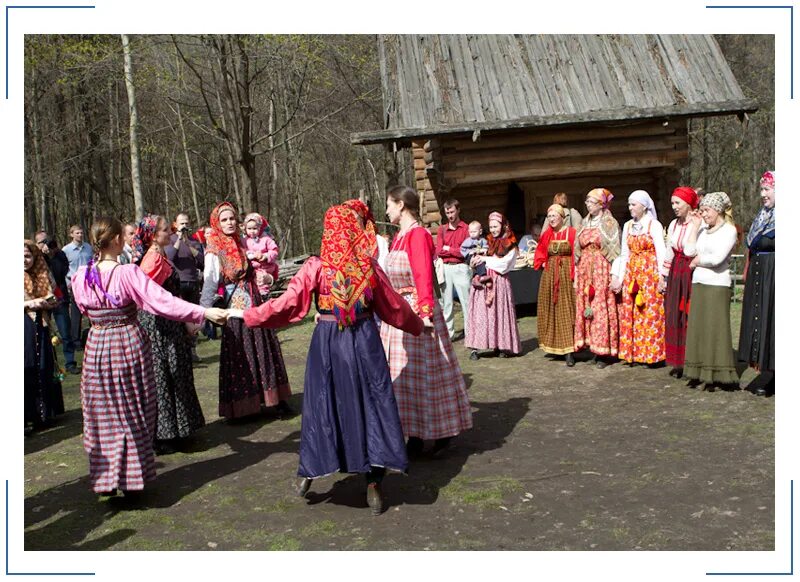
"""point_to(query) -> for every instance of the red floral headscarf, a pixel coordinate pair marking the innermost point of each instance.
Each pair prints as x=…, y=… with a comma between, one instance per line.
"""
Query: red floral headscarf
x=346, y=264
x=227, y=247
x=368, y=219
x=142, y=239
x=502, y=245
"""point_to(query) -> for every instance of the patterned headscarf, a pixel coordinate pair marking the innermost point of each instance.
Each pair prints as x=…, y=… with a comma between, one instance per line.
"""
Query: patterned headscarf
x=764, y=224
x=720, y=202
x=365, y=214
x=603, y=196
x=644, y=199
x=688, y=195
x=261, y=223
x=502, y=245
x=142, y=239
x=346, y=264
x=228, y=248
x=38, y=282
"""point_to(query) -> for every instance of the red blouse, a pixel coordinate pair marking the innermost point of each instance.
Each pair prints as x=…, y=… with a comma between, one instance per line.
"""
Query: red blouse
x=418, y=245
x=295, y=303
x=156, y=267
x=541, y=255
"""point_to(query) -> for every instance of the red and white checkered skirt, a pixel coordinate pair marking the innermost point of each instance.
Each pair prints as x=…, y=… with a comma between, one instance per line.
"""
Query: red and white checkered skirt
x=428, y=384
x=118, y=396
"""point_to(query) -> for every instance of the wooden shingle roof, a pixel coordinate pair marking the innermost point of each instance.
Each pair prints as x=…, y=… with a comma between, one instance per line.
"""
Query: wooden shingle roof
x=447, y=84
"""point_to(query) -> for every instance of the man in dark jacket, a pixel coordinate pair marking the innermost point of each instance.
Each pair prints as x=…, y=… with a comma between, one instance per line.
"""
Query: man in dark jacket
x=187, y=256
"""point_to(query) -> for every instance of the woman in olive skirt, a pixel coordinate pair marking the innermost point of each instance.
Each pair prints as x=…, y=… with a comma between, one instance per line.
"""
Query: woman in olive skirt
x=709, y=347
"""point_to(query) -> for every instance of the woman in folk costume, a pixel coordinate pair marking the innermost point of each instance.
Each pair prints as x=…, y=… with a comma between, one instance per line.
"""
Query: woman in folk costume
x=492, y=318
x=556, y=304
x=427, y=380
x=118, y=391
x=636, y=275
x=597, y=246
x=179, y=411
x=709, y=355
x=251, y=368
x=681, y=237
x=757, y=334
x=350, y=419
x=43, y=396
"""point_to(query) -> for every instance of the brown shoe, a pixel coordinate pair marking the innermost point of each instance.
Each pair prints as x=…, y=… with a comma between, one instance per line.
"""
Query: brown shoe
x=375, y=498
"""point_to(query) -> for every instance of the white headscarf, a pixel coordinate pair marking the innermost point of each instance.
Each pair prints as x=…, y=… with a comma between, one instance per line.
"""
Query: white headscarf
x=644, y=199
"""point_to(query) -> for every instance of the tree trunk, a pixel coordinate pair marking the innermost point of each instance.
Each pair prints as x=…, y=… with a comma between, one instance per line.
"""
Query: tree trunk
x=136, y=181
x=189, y=166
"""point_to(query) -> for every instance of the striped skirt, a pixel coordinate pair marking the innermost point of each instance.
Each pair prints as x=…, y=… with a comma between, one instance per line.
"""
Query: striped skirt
x=118, y=398
x=676, y=308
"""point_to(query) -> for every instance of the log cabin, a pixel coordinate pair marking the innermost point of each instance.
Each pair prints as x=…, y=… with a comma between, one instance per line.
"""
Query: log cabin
x=503, y=122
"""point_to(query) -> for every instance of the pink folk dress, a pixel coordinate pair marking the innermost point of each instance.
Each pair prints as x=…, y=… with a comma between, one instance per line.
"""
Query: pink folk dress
x=494, y=326
x=118, y=391
x=599, y=331
x=428, y=385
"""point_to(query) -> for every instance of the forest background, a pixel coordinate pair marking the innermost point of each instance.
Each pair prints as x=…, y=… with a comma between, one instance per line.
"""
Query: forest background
x=159, y=123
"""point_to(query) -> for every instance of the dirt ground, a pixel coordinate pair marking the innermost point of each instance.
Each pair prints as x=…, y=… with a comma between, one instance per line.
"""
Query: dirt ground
x=559, y=459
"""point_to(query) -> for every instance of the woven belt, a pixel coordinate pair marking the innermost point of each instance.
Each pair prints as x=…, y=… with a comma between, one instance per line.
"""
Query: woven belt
x=332, y=317
x=118, y=323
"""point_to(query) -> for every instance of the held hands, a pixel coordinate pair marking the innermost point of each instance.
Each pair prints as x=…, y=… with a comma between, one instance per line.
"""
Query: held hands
x=427, y=324
x=662, y=284
x=35, y=304
x=616, y=285
x=694, y=263
x=217, y=315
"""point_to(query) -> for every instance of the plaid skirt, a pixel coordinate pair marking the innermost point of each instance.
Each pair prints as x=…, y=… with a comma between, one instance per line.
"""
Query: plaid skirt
x=118, y=398
x=426, y=377
x=555, y=319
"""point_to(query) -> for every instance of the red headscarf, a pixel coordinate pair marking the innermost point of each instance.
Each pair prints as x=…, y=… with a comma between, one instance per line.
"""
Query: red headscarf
x=227, y=247
x=502, y=245
x=346, y=264
x=688, y=195
x=200, y=235
x=365, y=214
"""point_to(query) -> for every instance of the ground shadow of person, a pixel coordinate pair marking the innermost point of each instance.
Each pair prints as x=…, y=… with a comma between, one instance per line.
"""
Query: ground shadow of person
x=493, y=422
x=66, y=426
x=173, y=485
x=82, y=513
x=529, y=345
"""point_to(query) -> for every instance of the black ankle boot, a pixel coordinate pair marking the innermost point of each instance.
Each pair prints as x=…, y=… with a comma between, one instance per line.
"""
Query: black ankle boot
x=570, y=360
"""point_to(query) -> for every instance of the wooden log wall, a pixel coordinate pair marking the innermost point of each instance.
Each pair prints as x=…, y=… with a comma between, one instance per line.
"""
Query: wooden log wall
x=574, y=160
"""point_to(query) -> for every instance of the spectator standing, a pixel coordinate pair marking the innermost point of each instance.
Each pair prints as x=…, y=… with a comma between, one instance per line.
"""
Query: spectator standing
x=43, y=396
x=186, y=255
x=59, y=266
x=456, y=271
x=757, y=335
x=709, y=355
x=126, y=257
x=78, y=254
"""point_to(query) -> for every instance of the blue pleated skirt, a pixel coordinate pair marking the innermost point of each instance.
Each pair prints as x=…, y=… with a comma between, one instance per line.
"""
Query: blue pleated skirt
x=350, y=419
